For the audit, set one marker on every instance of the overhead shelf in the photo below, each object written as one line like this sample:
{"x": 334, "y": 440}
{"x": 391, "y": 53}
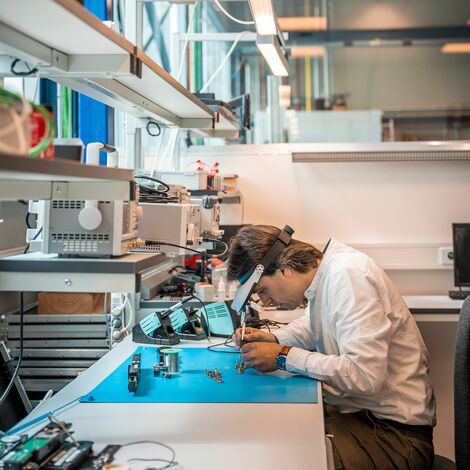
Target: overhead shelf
{"x": 73, "y": 47}
{"x": 33, "y": 178}
{"x": 154, "y": 94}
{"x": 59, "y": 36}
{"x": 41, "y": 272}
{"x": 226, "y": 124}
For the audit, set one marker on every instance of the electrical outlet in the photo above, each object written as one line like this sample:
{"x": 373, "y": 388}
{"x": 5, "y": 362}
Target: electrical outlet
{"x": 446, "y": 255}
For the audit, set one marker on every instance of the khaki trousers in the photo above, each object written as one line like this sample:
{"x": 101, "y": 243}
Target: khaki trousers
{"x": 362, "y": 441}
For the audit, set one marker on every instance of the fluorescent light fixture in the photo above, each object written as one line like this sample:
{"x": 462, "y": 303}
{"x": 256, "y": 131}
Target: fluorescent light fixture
{"x": 307, "y": 51}
{"x": 271, "y": 50}
{"x": 264, "y": 16}
{"x": 456, "y": 48}
{"x": 302, "y": 23}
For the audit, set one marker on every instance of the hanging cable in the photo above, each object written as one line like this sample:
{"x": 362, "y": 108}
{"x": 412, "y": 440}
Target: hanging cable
{"x": 215, "y": 240}
{"x": 219, "y": 68}
{"x": 190, "y": 22}
{"x": 228, "y": 15}
{"x": 161, "y": 183}
{"x": 155, "y": 124}
{"x": 18, "y": 365}
{"x": 17, "y": 73}
{"x": 131, "y": 312}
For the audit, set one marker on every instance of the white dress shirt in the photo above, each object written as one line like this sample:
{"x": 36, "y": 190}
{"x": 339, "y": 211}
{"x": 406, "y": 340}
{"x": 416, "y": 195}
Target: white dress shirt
{"x": 359, "y": 338}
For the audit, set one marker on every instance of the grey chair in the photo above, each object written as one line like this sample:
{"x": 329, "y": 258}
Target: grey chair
{"x": 461, "y": 396}
{"x": 462, "y": 389}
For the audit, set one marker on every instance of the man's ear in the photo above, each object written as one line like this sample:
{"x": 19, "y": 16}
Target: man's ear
{"x": 286, "y": 272}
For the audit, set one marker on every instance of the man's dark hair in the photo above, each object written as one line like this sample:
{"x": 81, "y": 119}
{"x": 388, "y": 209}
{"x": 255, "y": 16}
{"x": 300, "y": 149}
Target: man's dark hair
{"x": 248, "y": 247}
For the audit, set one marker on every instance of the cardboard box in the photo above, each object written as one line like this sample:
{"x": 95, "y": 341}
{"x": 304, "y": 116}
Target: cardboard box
{"x": 59, "y": 303}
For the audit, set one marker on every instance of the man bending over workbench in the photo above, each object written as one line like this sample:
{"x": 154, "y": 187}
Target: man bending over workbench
{"x": 357, "y": 337}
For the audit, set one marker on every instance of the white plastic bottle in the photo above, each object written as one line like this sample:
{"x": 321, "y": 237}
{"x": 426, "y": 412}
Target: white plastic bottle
{"x": 221, "y": 290}
{"x": 232, "y": 289}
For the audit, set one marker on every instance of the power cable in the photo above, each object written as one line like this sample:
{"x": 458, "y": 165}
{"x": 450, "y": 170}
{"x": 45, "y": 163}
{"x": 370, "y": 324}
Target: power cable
{"x": 170, "y": 462}
{"x": 190, "y": 22}
{"x": 161, "y": 183}
{"x": 18, "y": 365}
{"x": 155, "y": 124}
{"x": 224, "y": 60}
{"x": 215, "y": 240}
{"x": 17, "y": 73}
{"x": 228, "y": 15}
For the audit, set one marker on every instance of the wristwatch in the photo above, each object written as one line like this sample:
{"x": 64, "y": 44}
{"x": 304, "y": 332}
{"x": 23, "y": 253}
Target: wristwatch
{"x": 282, "y": 357}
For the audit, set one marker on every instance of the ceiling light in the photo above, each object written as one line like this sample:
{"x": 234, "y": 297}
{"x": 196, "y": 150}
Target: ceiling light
{"x": 456, "y": 48}
{"x": 270, "y": 48}
{"x": 307, "y": 51}
{"x": 303, "y": 23}
{"x": 263, "y": 14}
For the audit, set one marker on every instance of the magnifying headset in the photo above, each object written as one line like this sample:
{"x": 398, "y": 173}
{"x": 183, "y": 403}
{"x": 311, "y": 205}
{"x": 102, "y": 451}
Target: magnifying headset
{"x": 251, "y": 278}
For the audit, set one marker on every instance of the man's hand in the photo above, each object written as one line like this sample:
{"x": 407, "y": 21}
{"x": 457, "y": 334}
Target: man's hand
{"x": 253, "y": 335}
{"x": 261, "y": 356}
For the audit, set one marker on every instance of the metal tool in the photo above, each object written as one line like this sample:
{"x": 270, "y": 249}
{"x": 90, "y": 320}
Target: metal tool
{"x": 133, "y": 373}
{"x": 168, "y": 363}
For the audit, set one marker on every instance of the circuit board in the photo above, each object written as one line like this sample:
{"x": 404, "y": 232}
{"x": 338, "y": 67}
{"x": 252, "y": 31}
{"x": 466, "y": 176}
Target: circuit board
{"x": 34, "y": 449}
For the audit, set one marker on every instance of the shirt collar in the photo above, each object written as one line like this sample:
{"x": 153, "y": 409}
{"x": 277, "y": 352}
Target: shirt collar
{"x": 312, "y": 288}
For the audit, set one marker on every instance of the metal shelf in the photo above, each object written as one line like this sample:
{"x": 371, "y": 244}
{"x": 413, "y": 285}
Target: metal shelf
{"x": 79, "y": 51}
{"x": 226, "y": 124}
{"x": 152, "y": 93}
{"x": 33, "y": 178}
{"x": 55, "y": 274}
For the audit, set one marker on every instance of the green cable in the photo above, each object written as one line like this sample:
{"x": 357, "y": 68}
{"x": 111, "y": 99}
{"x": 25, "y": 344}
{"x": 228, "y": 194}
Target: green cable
{"x": 66, "y": 112}
{"x": 198, "y": 61}
{"x": 197, "y": 51}
{"x": 69, "y": 113}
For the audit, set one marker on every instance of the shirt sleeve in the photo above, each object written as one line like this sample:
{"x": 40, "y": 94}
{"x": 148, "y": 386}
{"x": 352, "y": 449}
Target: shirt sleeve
{"x": 362, "y": 330}
{"x": 297, "y": 333}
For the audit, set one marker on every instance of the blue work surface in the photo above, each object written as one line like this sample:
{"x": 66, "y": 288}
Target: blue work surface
{"x": 192, "y": 385}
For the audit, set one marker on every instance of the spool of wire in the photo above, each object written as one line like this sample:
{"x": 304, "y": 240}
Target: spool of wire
{"x": 171, "y": 360}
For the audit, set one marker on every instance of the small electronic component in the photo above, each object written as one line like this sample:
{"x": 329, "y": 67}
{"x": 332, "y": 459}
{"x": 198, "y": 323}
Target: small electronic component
{"x": 98, "y": 461}
{"x": 7, "y": 443}
{"x": 133, "y": 373}
{"x": 215, "y": 374}
{"x": 240, "y": 367}
{"x": 30, "y": 453}
{"x": 70, "y": 457}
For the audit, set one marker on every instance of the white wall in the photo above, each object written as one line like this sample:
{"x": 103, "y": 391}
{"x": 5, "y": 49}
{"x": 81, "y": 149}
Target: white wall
{"x": 334, "y": 126}
{"x": 382, "y": 14}
{"x": 408, "y": 202}
{"x": 399, "y": 212}
{"x": 399, "y": 77}
{"x": 391, "y": 78}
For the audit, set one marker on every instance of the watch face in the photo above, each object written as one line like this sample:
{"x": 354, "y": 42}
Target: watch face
{"x": 281, "y": 362}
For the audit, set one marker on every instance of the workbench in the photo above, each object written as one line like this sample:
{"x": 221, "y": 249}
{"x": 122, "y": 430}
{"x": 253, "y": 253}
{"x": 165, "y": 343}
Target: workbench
{"x": 203, "y": 435}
